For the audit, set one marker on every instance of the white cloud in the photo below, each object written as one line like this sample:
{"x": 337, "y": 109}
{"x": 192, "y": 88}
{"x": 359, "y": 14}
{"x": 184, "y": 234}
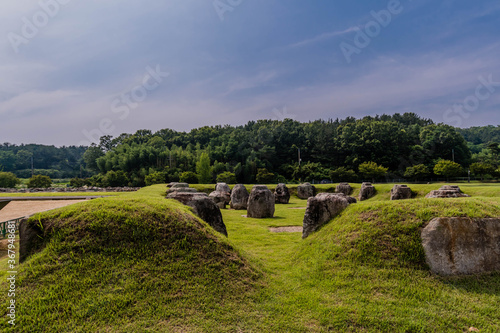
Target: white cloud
{"x": 323, "y": 37}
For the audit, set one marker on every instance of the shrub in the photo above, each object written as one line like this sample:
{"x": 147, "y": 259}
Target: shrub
{"x": 189, "y": 177}
{"x": 343, "y": 175}
{"x": 156, "y": 178}
{"x": 417, "y": 172}
{"x": 226, "y": 177}
{"x": 76, "y": 182}
{"x": 482, "y": 169}
{"x": 115, "y": 179}
{"x": 39, "y": 181}
{"x": 265, "y": 177}
{"x": 8, "y": 179}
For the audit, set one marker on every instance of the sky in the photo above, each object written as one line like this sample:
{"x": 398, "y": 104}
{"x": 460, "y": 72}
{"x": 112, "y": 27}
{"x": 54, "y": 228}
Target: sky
{"x": 73, "y": 70}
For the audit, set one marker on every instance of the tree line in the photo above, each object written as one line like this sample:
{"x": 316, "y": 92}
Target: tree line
{"x": 266, "y": 151}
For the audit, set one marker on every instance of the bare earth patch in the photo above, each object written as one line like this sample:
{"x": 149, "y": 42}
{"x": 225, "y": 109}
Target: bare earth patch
{"x": 17, "y": 209}
{"x": 286, "y": 229}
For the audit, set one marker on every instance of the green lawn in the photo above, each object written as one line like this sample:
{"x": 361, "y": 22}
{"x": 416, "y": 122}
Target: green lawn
{"x": 138, "y": 263}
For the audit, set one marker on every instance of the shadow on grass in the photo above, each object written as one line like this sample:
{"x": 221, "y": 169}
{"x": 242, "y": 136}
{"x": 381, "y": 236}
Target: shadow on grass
{"x": 478, "y": 284}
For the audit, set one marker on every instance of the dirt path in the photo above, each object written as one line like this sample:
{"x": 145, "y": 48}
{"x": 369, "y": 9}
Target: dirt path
{"x": 16, "y": 209}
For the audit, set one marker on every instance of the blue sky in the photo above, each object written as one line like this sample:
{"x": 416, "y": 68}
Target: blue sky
{"x": 73, "y": 70}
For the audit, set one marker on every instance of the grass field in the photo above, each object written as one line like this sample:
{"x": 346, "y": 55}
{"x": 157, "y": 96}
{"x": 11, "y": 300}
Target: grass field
{"x": 60, "y": 194}
{"x": 138, "y": 263}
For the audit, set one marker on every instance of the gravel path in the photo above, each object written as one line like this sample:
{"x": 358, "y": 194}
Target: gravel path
{"x": 16, "y": 209}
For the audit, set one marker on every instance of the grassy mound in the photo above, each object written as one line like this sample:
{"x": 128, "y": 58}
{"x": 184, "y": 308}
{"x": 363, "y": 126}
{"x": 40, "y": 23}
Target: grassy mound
{"x": 367, "y": 269}
{"x": 387, "y": 234}
{"x": 130, "y": 264}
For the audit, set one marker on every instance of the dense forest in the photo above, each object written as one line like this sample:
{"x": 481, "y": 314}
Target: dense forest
{"x": 55, "y": 162}
{"x": 399, "y": 145}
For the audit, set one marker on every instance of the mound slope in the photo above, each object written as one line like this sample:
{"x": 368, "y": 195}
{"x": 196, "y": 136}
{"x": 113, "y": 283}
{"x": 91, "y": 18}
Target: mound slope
{"x": 128, "y": 264}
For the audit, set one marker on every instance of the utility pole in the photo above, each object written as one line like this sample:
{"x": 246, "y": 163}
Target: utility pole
{"x": 299, "y": 156}
{"x": 453, "y": 154}
{"x": 32, "y": 167}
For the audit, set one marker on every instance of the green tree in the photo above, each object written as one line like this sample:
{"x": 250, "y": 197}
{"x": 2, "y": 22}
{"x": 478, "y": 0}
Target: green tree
{"x": 482, "y": 169}
{"x": 189, "y": 177}
{"x": 203, "y": 169}
{"x": 417, "y": 172}
{"x": 265, "y": 177}
{"x": 226, "y": 177}
{"x": 447, "y": 168}
{"x": 372, "y": 170}
{"x": 8, "y": 180}
{"x": 90, "y": 157}
{"x": 39, "y": 181}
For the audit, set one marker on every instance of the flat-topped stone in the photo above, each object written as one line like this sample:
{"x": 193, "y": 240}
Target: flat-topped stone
{"x": 447, "y": 191}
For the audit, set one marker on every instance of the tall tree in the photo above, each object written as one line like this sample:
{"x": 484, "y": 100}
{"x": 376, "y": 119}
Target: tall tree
{"x": 203, "y": 169}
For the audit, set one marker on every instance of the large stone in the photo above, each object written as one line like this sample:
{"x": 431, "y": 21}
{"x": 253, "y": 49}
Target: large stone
{"x": 221, "y": 199}
{"x": 281, "y": 194}
{"x": 461, "y": 245}
{"x": 209, "y": 212}
{"x": 239, "y": 197}
{"x": 179, "y": 185}
{"x": 321, "y": 209}
{"x": 447, "y": 191}
{"x": 185, "y": 197}
{"x": 182, "y": 189}
{"x": 260, "y": 202}
{"x": 400, "y": 192}
{"x": 203, "y": 206}
{"x": 30, "y": 238}
{"x": 343, "y": 188}
{"x": 222, "y": 187}
{"x": 367, "y": 191}
{"x": 305, "y": 191}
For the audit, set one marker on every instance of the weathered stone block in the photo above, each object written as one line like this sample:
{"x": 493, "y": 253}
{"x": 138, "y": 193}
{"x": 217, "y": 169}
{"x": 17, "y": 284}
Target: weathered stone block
{"x": 321, "y": 209}
{"x": 282, "y": 194}
{"x": 260, "y": 202}
{"x": 461, "y": 245}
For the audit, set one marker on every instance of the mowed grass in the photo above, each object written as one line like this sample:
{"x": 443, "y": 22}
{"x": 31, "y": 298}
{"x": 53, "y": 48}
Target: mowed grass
{"x": 365, "y": 271}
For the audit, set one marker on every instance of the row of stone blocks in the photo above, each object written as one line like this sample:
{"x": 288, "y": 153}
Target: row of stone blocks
{"x": 398, "y": 192}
